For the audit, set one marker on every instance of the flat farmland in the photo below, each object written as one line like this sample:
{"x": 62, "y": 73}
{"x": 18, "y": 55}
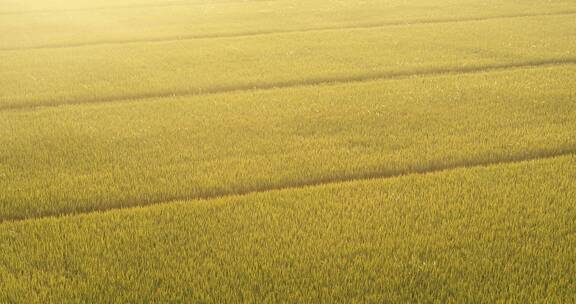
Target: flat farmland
{"x": 287, "y": 151}
{"x": 503, "y": 232}
{"x": 140, "y": 71}
{"x": 61, "y": 23}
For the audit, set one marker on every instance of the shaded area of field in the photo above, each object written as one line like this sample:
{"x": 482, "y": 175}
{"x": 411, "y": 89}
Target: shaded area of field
{"x": 111, "y": 156}
{"x": 504, "y": 233}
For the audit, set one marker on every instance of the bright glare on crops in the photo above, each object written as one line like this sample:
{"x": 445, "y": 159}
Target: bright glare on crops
{"x": 224, "y": 151}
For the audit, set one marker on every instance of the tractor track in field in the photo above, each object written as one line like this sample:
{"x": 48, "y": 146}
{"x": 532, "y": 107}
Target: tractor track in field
{"x": 278, "y": 32}
{"x": 432, "y": 169}
{"x": 335, "y": 80}
{"x": 123, "y": 7}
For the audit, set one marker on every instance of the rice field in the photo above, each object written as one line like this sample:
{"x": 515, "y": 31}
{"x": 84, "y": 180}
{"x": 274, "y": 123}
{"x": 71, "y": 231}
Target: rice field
{"x": 225, "y": 151}
{"x": 473, "y": 234}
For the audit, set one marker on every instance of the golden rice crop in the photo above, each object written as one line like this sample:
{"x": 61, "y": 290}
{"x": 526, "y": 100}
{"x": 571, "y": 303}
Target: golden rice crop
{"x": 497, "y": 234}
{"x": 338, "y": 151}
{"x": 145, "y": 70}
{"x": 56, "y": 23}
{"x": 83, "y": 158}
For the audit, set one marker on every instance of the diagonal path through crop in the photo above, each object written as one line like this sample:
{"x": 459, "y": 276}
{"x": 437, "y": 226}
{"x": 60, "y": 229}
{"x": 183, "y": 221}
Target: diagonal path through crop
{"x": 433, "y": 169}
{"x": 307, "y": 82}
{"x": 288, "y": 31}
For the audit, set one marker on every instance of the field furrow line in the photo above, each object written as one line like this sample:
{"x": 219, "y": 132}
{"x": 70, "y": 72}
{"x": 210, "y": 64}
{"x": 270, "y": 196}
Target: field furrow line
{"x": 331, "y": 80}
{"x": 432, "y": 169}
{"x": 288, "y": 31}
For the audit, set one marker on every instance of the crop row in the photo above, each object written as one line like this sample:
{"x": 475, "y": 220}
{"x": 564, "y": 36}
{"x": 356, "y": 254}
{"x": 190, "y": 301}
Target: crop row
{"x": 75, "y": 159}
{"x": 33, "y": 24}
{"x": 503, "y": 233}
{"x": 51, "y": 77}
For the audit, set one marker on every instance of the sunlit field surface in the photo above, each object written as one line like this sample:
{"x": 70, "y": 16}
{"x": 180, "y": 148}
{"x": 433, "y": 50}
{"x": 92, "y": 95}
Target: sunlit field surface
{"x": 257, "y": 151}
{"x": 504, "y": 232}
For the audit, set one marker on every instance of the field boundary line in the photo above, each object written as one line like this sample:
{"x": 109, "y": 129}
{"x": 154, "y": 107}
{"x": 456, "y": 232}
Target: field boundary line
{"x": 368, "y": 176}
{"x": 335, "y": 80}
{"x": 279, "y": 32}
